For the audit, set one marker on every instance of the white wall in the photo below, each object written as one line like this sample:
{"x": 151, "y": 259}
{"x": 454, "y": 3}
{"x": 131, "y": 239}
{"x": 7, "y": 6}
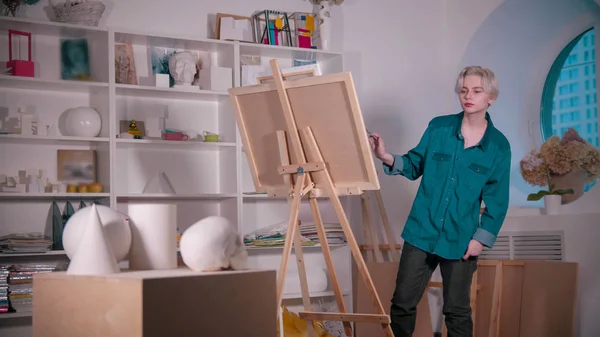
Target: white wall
{"x": 404, "y": 56}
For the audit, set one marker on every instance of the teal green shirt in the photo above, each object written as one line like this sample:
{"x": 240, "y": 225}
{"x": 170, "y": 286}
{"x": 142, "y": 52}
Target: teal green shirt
{"x": 445, "y": 213}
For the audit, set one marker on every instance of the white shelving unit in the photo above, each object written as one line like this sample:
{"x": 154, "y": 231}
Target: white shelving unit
{"x": 209, "y": 178}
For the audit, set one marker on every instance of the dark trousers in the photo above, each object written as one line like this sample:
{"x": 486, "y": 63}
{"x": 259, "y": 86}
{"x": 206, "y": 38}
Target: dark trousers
{"x": 414, "y": 272}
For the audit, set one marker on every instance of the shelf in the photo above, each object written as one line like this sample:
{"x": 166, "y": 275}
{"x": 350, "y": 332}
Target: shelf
{"x": 10, "y": 315}
{"x": 36, "y": 83}
{"x": 51, "y": 196}
{"x": 169, "y": 93}
{"x": 39, "y": 27}
{"x": 168, "y": 197}
{"x": 252, "y": 195}
{"x": 155, "y": 39}
{"x": 327, "y": 293}
{"x": 265, "y": 50}
{"x": 59, "y": 140}
{"x": 48, "y": 253}
{"x": 272, "y": 248}
{"x": 159, "y": 143}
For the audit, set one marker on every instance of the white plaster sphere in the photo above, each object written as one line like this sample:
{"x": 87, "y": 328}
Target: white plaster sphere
{"x": 116, "y": 228}
{"x": 83, "y": 121}
{"x": 212, "y": 244}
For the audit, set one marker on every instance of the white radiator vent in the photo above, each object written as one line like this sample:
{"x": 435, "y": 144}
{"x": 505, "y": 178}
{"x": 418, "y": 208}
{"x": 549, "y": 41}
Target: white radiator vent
{"x": 500, "y": 251}
{"x": 546, "y": 245}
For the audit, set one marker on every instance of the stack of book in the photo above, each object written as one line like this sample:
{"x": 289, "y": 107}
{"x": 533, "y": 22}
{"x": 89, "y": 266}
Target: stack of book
{"x": 4, "y": 289}
{"x": 20, "y": 283}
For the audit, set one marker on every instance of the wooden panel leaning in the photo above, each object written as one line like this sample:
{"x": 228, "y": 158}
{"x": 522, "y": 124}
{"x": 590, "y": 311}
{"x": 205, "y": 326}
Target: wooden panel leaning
{"x": 306, "y": 138}
{"x": 155, "y": 303}
{"x": 527, "y": 298}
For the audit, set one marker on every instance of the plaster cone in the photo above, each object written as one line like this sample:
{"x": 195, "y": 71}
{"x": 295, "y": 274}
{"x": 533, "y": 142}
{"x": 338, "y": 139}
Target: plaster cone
{"x": 94, "y": 256}
{"x": 159, "y": 183}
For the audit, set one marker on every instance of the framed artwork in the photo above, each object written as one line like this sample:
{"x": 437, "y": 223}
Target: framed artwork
{"x": 75, "y": 59}
{"x": 76, "y": 166}
{"x": 125, "y": 72}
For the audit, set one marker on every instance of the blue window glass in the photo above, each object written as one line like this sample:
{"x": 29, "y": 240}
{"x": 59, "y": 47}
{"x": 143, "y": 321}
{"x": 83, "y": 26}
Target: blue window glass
{"x": 571, "y": 83}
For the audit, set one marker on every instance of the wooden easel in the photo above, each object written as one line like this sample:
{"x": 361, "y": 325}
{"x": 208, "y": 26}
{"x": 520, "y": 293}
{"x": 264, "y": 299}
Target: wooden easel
{"x": 305, "y": 172}
{"x": 372, "y": 246}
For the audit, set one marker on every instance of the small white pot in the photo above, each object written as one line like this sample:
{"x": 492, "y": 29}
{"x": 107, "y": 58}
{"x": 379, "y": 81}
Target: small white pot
{"x": 552, "y": 203}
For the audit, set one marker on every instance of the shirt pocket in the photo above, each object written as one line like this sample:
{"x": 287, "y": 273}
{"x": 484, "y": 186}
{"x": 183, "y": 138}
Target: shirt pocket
{"x": 442, "y": 162}
{"x": 476, "y": 177}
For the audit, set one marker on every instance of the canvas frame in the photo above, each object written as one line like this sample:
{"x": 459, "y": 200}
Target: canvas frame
{"x": 328, "y": 104}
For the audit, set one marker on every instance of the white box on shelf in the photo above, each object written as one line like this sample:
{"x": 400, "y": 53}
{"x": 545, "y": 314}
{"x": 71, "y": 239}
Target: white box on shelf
{"x": 236, "y": 29}
{"x": 33, "y": 188}
{"x": 215, "y": 78}
{"x": 161, "y": 80}
{"x": 154, "y": 127}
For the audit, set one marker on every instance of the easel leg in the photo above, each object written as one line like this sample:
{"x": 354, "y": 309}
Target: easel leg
{"x": 386, "y": 226}
{"x": 368, "y": 228}
{"x": 367, "y": 231}
{"x": 285, "y": 160}
{"x": 328, "y": 186}
{"x": 292, "y": 228}
{"x": 303, "y": 281}
{"x": 339, "y": 297}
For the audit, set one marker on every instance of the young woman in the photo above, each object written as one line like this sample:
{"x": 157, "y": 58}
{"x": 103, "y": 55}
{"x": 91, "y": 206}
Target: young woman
{"x": 461, "y": 159}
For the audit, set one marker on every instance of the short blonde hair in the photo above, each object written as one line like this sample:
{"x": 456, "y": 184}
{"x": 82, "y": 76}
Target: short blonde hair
{"x": 490, "y": 83}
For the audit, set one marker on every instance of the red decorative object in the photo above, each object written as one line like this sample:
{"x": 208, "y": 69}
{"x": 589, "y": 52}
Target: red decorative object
{"x": 304, "y": 40}
{"x": 20, "y": 67}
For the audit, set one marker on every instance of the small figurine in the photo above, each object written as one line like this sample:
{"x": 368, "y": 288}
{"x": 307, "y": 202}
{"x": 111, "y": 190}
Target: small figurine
{"x": 133, "y": 130}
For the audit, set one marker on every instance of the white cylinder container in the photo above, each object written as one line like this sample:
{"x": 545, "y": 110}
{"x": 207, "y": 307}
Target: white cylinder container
{"x": 153, "y": 236}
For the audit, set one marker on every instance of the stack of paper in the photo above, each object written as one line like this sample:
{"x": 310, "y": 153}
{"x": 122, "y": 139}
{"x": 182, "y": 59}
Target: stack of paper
{"x": 273, "y": 235}
{"x": 20, "y": 243}
{"x": 333, "y": 232}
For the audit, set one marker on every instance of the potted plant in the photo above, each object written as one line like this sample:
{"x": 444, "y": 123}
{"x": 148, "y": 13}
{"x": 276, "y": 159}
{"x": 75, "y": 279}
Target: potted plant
{"x": 11, "y": 7}
{"x": 564, "y": 165}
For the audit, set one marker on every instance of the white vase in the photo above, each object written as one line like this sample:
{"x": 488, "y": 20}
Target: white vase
{"x": 324, "y": 20}
{"x": 552, "y": 204}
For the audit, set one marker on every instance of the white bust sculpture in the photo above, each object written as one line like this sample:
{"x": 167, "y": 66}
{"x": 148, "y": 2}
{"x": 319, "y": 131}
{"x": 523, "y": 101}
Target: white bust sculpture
{"x": 182, "y": 67}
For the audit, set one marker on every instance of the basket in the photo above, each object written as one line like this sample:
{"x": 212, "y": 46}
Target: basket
{"x": 81, "y": 12}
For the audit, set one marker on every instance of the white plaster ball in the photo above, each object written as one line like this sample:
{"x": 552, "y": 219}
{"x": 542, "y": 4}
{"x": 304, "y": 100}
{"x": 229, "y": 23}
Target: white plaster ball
{"x": 118, "y": 232}
{"x": 212, "y": 244}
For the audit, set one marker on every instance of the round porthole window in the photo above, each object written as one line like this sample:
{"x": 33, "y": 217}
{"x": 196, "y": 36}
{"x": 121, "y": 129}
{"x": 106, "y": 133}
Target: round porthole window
{"x": 569, "y": 108}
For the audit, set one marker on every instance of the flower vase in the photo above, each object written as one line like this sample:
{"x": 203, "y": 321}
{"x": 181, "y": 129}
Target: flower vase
{"x": 573, "y": 180}
{"x": 324, "y": 20}
{"x": 552, "y": 204}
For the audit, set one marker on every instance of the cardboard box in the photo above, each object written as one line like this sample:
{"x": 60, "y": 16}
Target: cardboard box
{"x": 156, "y": 303}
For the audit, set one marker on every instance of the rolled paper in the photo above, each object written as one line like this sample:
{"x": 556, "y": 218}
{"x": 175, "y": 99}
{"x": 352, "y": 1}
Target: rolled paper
{"x": 153, "y": 236}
